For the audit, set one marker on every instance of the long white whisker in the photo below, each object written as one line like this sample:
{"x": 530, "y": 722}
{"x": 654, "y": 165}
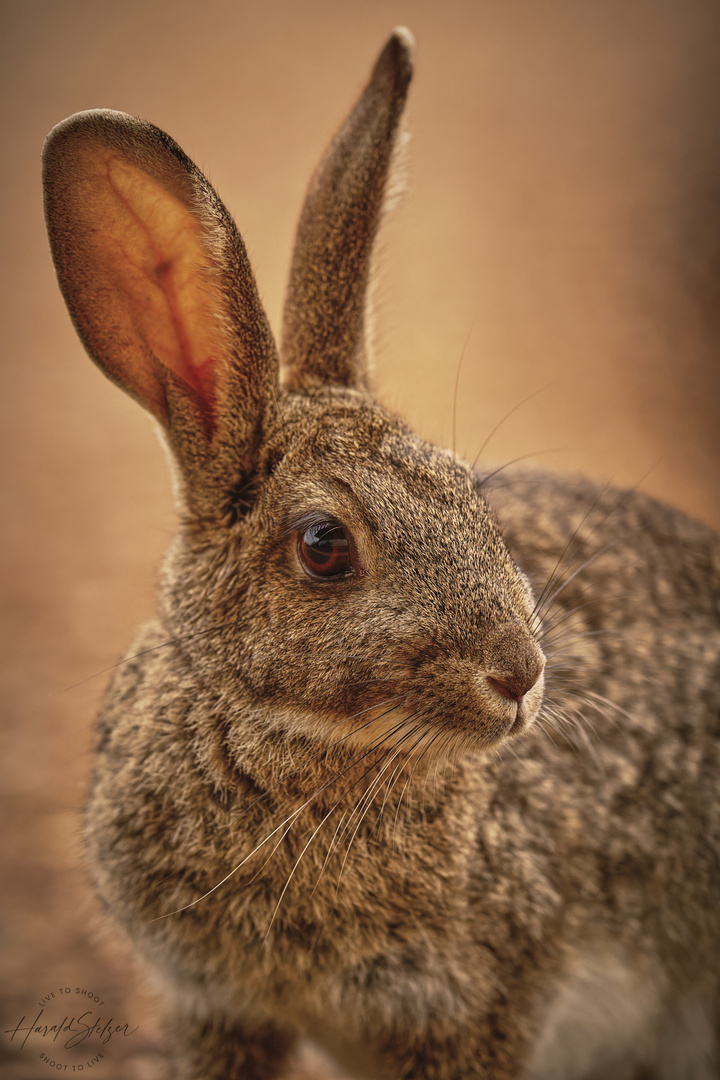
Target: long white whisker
{"x": 289, "y": 821}
{"x": 505, "y": 418}
{"x": 396, "y": 753}
{"x": 540, "y": 602}
{"x": 549, "y": 626}
{"x": 219, "y": 884}
{"x": 286, "y": 886}
{"x": 369, "y": 795}
{"x": 332, "y": 809}
{"x": 332, "y": 745}
{"x": 548, "y": 601}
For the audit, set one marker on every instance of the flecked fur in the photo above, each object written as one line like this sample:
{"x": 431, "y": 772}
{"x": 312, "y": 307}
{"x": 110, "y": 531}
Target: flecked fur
{"x": 453, "y": 815}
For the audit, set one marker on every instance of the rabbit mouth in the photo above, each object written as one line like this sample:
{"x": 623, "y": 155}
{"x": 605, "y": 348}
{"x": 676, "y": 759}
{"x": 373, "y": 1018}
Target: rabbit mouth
{"x": 527, "y": 711}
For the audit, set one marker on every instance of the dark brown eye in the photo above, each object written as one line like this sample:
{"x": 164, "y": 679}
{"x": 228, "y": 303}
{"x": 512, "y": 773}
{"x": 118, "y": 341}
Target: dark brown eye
{"x": 324, "y": 550}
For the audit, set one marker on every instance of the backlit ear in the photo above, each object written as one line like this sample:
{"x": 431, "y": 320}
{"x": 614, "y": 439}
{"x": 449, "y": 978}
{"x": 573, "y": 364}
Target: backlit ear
{"x": 324, "y": 331}
{"x": 158, "y": 284}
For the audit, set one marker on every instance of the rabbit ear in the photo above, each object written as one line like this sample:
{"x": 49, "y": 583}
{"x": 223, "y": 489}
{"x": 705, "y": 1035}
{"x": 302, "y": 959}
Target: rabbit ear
{"x": 324, "y": 320}
{"x": 158, "y": 283}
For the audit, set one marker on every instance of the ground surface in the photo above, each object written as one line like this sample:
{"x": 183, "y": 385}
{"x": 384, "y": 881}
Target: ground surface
{"x": 561, "y": 232}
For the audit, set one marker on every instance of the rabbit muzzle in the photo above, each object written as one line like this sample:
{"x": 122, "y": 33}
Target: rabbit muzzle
{"x": 514, "y": 665}
{"x": 447, "y": 701}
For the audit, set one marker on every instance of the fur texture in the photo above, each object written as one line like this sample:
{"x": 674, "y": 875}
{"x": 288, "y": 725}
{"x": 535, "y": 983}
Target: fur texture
{"x": 448, "y": 810}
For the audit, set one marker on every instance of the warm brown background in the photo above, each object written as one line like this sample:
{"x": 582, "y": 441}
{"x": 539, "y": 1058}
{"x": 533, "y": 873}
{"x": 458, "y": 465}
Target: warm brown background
{"x": 562, "y": 227}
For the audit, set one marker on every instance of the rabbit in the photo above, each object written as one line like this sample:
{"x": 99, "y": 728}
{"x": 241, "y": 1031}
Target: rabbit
{"x": 413, "y": 766}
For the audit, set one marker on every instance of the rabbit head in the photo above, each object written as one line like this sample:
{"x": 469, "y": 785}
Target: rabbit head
{"x": 331, "y": 569}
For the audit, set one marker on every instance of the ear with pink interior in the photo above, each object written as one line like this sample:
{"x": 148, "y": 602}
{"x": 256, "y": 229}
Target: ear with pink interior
{"x": 158, "y": 284}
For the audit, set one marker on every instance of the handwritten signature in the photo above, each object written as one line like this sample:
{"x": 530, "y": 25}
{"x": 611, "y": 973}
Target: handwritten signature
{"x": 77, "y": 1028}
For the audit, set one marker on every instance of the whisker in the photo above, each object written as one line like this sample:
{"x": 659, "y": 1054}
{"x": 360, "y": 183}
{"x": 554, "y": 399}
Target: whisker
{"x": 506, "y": 417}
{"x": 320, "y": 657}
{"x": 288, "y": 821}
{"x": 568, "y": 636}
{"x": 484, "y": 480}
{"x": 147, "y": 652}
{"x": 619, "y": 501}
{"x": 309, "y": 761}
{"x": 548, "y": 628}
{"x": 543, "y": 604}
{"x": 328, "y": 853}
{"x": 219, "y": 884}
{"x": 573, "y": 537}
{"x": 333, "y": 808}
{"x": 286, "y": 886}
{"x": 400, "y": 756}
{"x": 412, "y": 771}
{"x": 396, "y": 751}
{"x": 574, "y": 732}
{"x": 457, "y": 384}
{"x": 604, "y": 705}
{"x": 368, "y": 799}
{"x": 331, "y": 746}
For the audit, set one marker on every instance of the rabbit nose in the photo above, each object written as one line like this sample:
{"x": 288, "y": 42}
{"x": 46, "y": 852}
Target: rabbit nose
{"x": 517, "y": 666}
{"x": 512, "y": 687}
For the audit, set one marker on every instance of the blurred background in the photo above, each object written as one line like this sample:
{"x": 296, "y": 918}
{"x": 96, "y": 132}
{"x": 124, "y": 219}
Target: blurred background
{"x": 560, "y": 233}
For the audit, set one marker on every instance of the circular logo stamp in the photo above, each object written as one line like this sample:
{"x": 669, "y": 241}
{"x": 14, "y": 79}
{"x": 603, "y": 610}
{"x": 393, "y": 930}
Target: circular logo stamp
{"x": 69, "y": 1029}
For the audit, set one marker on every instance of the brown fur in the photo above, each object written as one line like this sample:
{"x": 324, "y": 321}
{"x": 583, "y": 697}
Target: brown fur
{"x": 411, "y": 814}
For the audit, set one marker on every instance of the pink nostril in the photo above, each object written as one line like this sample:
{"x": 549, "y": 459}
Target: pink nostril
{"x": 505, "y": 690}
{"x": 512, "y": 687}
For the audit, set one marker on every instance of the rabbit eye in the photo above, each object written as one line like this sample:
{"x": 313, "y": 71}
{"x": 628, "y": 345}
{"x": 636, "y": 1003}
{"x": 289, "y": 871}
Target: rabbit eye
{"x": 324, "y": 550}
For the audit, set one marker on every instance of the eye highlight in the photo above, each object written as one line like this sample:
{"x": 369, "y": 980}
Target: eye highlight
{"x": 324, "y": 550}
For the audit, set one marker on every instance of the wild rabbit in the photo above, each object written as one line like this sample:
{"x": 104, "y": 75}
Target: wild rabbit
{"x": 433, "y": 789}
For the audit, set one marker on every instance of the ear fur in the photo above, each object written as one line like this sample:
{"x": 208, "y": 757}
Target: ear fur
{"x": 157, "y": 281}
{"x": 324, "y": 333}
{"x": 158, "y": 284}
